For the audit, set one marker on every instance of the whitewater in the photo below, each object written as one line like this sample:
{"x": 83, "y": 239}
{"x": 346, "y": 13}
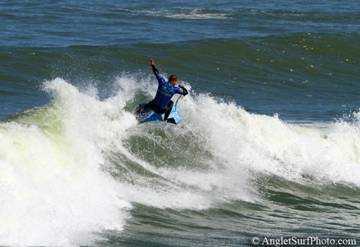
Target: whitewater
{"x": 76, "y": 167}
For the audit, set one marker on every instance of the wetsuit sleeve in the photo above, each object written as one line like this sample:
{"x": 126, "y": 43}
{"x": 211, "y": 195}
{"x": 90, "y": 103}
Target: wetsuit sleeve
{"x": 181, "y": 90}
{"x": 156, "y": 72}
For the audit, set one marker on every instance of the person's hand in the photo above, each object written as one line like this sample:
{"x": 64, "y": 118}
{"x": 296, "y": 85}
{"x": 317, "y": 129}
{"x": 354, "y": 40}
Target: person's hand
{"x": 185, "y": 91}
{"x": 152, "y": 62}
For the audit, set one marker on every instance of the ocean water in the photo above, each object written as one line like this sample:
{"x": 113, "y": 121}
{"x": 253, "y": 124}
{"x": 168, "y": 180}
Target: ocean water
{"x": 269, "y": 145}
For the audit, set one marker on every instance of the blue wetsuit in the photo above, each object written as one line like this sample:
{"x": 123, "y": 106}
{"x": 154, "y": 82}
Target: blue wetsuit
{"x": 162, "y": 101}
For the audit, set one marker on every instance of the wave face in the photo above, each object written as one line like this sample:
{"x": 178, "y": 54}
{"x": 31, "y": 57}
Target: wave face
{"x": 81, "y": 165}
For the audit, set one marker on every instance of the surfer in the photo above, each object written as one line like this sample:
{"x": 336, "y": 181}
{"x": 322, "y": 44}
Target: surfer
{"x": 162, "y": 102}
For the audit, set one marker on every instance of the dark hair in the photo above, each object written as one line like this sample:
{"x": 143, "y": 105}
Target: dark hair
{"x": 172, "y": 77}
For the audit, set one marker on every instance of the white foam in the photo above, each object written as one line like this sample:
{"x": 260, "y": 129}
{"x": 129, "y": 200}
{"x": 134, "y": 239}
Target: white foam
{"x": 266, "y": 144}
{"x": 190, "y": 14}
{"x": 52, "y": 188}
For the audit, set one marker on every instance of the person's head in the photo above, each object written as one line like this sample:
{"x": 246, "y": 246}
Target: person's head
{"x": 173, "y": 79}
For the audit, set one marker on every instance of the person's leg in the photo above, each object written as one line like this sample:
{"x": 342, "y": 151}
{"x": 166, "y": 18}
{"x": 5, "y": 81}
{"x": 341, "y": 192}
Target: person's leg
{"x": 168, "y": 109}
{"x": 143, "y": 108}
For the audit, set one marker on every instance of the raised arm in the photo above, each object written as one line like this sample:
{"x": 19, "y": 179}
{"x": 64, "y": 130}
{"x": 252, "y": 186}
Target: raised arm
{"x": 156, "y": 72}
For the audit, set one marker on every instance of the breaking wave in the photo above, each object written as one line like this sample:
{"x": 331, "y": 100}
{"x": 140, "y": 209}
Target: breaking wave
{"x": 76, "y": 166}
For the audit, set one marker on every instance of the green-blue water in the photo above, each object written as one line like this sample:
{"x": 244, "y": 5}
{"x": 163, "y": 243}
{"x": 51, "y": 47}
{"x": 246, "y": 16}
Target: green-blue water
{"x": 269, "y": 144}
